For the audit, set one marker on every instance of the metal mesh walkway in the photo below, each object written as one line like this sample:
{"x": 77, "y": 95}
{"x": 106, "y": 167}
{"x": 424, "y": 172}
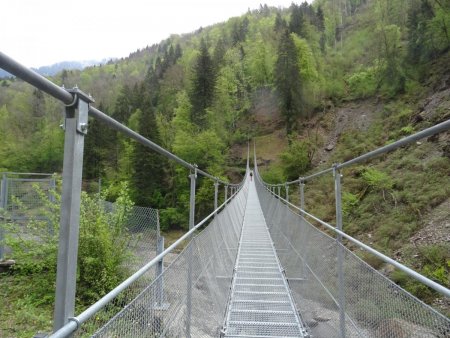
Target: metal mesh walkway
{"x": 261, "y": 304}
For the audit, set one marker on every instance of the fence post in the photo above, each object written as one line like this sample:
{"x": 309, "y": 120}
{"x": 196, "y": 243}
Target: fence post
{"x": 4, "y": 206}
{"x": 216, "y": 193}
{"x": 226, "y": 192}
{"x": 286, "y": 187}
{"x": 52, "y": 189}
{"x": 302, "y": 194}
{"x": 279, "y": 191}
{"x": 340, "y": 249}
{"x": 159, "y": 266}
{"x": 193, "y": 177}
{"x": 75, "y": 128}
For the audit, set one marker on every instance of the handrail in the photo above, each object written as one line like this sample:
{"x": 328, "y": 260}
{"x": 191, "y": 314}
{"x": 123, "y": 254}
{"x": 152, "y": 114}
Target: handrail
{"x": 35, "y": 79}
{"x": 24, "y": 174}
{"x": 436, "y": 286}
{"x": 75, "y": 322}
{"x": 436, "y": 129}
{"x": 40, "y": 82}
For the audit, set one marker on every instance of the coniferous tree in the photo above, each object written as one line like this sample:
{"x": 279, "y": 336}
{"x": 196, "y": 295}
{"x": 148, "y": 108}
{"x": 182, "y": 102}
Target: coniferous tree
{"x": 147, "y": 180}
{"x": 320, "y": 19}
{"x": 287, "y": 80}
{"x": 419, "y": 46}
{"x": 297, "y": 22}
{"x": 178, "y": 52}
{"x": 97, "y": 148}
{"x": 240, "y": 30}
{"x": 203, "y": 84}
{"x": 280, "y": 23}
{"x": 124, "y": 104}
{"x": 219, "y": 53}
{"x": 38, "y": 103}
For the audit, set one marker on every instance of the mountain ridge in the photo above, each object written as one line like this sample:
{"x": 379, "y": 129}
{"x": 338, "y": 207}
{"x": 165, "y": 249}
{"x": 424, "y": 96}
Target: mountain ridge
{"x": 55, "y": 68}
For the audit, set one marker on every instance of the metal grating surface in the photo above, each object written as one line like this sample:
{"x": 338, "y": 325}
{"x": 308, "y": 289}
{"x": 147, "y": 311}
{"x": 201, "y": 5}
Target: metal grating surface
{"x": 261, "y": 304}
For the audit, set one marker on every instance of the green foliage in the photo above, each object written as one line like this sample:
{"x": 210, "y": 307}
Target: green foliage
{"x": 407, "y": 130}
{"x": 349, "y": 202}
{"x": 147, "y": 179}
{"x": 203, "y": 82}
{"x": 274, "y": 174}
{"x": 295, "y": 160}
{"x": 364, "y": 83}
{"x": 204, "y": 149}
{"x": 259, "y": 62}
{"x": 377, "y": 180}
{"x": 288, "y": 81}
{"x": 171, "y": 218}
{"x": 103, "y": 247}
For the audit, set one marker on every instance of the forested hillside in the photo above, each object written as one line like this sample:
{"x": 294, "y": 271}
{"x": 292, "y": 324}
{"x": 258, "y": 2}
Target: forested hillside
{"x": 297, "y": 81}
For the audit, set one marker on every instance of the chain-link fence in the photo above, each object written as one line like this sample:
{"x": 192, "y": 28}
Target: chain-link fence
{"x": 324, "y": 277}
{"x": 189, "y": 298}
{"x": 24, "y": 196}
{"x": 143, "y": 226}
{"x": 20, "y": 194}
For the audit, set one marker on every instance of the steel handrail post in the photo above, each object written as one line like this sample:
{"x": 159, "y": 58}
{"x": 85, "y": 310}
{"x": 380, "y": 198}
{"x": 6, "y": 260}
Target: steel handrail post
{"x": 193, "y": 177}
{"x": 4, "y": 206}
{"x": 75, "y": 129}
{"x": 302, "y": 193}
{"x": 226, "y": 192}
{"x": 301, "y": 190}
{"x": 160, "y": 265}
{"x": 286, "y": 187}
{"x": 216, "y": 193}
{"x": 340, "y": 249}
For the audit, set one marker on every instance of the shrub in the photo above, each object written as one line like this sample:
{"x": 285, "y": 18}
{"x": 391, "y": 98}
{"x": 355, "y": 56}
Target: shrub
{"x": 296, "y": 159}
{"x": 103, "y": 243}
{"x": 349, "y": 201}
{"x": 364, "y": 83}
{"x": 171, "y": 217}
{"x": 377, "y": 180}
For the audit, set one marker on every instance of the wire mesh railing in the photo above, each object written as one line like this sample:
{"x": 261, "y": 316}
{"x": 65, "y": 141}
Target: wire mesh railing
{"x": 20, "y": 194}
{"x": 24, "y": 197}
{"x": 143, "y": 227}
{"x": 336, "y": 292}
{"x": 189, "y": 298}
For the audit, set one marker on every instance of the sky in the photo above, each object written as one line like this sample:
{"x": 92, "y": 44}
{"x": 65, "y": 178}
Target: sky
{"x": 38, "y": 33}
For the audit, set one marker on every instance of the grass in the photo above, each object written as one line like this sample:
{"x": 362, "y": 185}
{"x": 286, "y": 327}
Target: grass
{"x": 170, "y": 236}
{"x": 22, "y": 314}
{"x": 270, "y": 145}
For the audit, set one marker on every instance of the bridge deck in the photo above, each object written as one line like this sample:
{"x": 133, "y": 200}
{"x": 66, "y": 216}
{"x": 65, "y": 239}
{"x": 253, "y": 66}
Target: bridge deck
{"x": 261, "y": 304}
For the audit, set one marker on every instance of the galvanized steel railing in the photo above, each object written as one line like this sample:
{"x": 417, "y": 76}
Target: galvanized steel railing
{"x": 329, "y": 279}
{"x": 78, "y": 109}
{"x": 187, "y": 299}
{"x": 350, "y": 297}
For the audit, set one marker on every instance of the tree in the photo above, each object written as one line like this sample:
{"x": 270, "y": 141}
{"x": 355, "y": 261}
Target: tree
{"x": 297, "y": 22}
{"x": 288, "y": 82}
{"x": 280, "y": 23}
{"x": 240, "y": 30}
{"x": 97, "y": 148}
{"x": 148, "y": 174}
{"x": 219, "y": 53}
{"x": 203, "y": 83}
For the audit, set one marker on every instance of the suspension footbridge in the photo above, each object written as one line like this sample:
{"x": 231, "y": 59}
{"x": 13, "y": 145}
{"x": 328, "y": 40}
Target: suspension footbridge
{"x": 257, "y": 266}
{"x": 260, "y": 303}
